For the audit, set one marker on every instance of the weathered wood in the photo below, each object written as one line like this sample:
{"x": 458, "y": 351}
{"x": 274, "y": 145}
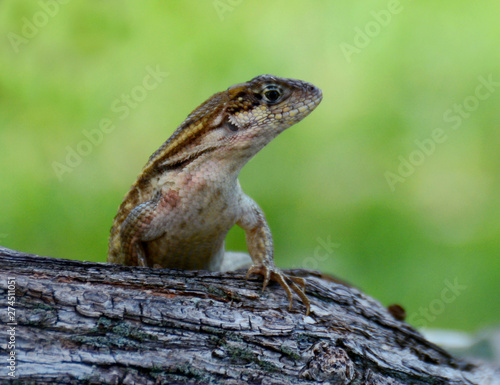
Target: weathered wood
{"x": 81, "y": 322}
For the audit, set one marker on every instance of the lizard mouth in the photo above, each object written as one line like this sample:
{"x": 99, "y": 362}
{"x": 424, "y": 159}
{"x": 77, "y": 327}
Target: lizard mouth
{"x": 306, "y": 102}
{"x": 316, "y": 95}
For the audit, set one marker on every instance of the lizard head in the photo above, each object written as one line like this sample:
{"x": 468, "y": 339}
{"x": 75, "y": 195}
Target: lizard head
{"x": 260, "y": 109}
{"x": 235, "y": 124}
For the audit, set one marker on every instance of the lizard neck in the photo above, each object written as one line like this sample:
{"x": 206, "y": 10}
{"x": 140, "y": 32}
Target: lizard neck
{"x": 216, "y": 168}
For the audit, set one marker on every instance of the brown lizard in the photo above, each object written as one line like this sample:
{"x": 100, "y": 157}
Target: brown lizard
{"x": 187, "y": 197}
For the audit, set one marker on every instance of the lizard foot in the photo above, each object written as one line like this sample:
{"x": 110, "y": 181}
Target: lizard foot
{"x": 272, "y": 272}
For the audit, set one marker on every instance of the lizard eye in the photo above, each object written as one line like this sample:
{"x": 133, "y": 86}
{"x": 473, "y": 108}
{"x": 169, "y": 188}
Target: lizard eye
{"x": 272, "y": 94}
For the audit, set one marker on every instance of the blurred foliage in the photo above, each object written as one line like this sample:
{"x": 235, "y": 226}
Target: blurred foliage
{"x": 390, "y": 72}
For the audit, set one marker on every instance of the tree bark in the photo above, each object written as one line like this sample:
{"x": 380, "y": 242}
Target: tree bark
{"x": 91, "y": 323}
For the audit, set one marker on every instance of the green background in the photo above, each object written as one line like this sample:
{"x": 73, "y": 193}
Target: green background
{"x": 323, "y": 182}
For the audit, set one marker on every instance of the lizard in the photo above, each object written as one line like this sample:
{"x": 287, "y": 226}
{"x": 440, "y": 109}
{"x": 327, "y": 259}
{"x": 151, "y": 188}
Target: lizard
{"x": 187, "y": 197}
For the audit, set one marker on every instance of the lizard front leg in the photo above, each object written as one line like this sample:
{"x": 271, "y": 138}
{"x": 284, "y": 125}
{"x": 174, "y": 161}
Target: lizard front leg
{"x": 260, "y": 246}
{"x": 144, "y": 223}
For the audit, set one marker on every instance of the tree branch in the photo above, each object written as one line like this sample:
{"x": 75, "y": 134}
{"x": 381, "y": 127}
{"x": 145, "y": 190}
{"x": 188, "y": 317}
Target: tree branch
{"x": 81, "y": 322}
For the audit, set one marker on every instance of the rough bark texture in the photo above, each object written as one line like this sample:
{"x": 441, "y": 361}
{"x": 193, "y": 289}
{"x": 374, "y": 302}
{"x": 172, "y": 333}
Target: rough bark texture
{"x": 80, "y": 322}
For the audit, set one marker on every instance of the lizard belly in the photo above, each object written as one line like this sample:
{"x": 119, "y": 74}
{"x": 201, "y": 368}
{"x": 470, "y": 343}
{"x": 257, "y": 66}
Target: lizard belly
{"x": 197, "y": 252}
{"x": 194, "y": 230}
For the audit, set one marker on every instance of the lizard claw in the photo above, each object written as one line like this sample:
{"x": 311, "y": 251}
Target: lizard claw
{"x": 277, "y": 275}
{"x": 254, "y": 269}
{"x": 299, "y": 280}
